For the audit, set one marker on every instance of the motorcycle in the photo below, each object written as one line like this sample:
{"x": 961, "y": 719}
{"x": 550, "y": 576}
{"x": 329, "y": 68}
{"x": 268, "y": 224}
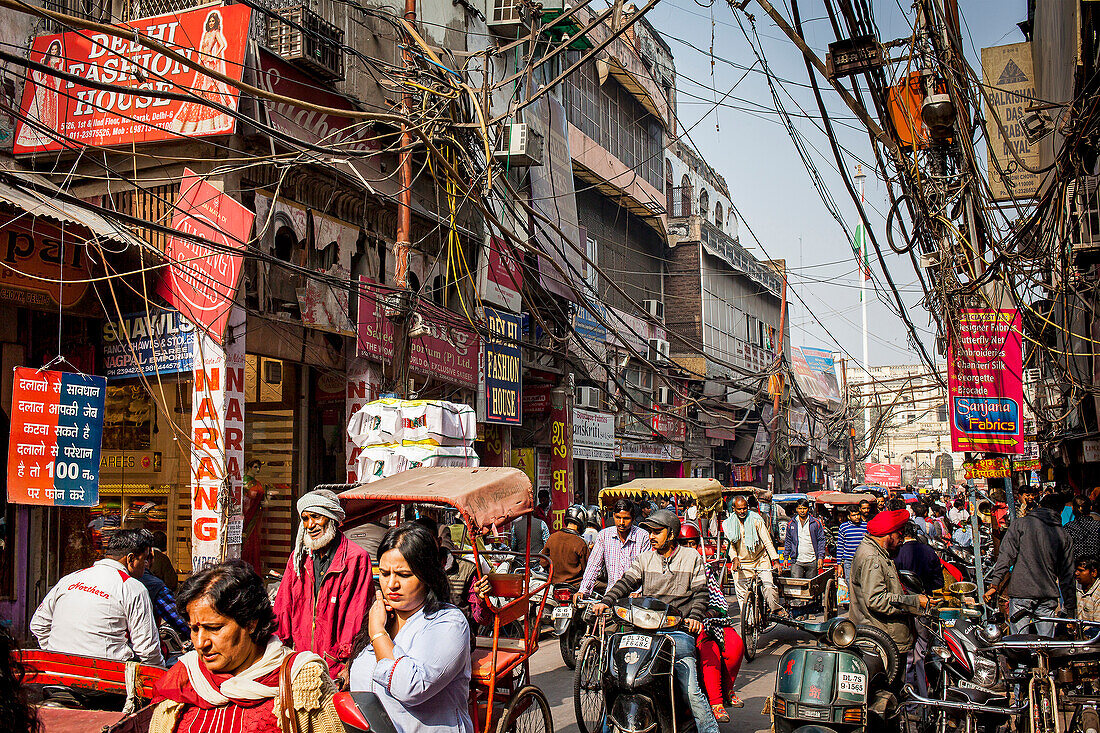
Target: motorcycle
{"x": 362, "y": 712}
{"x": 637, "y": 678}
{"x": 849, "y": 682}
{"x": 568, "y": 621}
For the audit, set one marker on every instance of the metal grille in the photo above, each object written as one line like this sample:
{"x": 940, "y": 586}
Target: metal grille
{"x": 1084, "y": 219}
{"x": 134, "y": 9}
{"x": 153, "y": 204}
{"x": 97, "y": 10}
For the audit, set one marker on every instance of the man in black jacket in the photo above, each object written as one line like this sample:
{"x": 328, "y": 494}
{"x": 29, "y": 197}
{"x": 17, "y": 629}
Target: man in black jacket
{"x": 1040, "y": 556}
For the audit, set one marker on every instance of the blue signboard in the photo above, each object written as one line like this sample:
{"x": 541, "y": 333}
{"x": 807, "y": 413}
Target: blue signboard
{"x": 157, "y": 342}
{"x": 503, "y": 368}
{"x": 587, "y": 326}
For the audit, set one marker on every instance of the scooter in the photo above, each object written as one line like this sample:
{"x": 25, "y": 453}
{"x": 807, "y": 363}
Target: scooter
{"x": 848, "y": 683}
{"x": 572, "y": 622}
{"x": 637, "y": 680}
{"x": 362, "y": 712}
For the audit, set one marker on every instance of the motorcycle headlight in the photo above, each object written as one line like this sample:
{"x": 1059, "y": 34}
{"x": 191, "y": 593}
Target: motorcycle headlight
{"x": 643, "y": 618}
{"x": 842, "y": 633}
{"x": 985, "y": 671}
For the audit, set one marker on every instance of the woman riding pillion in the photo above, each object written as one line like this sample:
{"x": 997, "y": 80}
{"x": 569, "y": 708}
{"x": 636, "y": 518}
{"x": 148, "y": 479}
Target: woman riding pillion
{"x": 721, "y": 648}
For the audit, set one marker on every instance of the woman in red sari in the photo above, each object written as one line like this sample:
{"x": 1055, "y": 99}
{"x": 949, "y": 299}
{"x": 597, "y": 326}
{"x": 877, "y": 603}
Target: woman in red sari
{"x": 230, "y": 682}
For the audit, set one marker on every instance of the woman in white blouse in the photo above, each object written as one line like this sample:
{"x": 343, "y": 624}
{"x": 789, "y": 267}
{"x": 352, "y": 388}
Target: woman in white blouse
{"x": 414, "y": 650}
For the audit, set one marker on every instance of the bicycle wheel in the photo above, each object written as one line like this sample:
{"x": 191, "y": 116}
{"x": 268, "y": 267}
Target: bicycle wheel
{"x": 587, "y": 693}
{"x": 528, "y": 712}
{"x": 750, "y": 623}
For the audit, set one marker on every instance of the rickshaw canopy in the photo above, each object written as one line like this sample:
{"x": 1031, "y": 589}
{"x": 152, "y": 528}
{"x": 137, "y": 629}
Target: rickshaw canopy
{"x": 488, "y": 498}
{"x": 706, "y": 492}
{"x": 839, "y": 498}
{"x": 789, "y": 498}
{"x": 871, "y": 488}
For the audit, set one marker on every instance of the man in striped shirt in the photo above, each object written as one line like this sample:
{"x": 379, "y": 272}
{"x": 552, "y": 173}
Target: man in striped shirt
{"x": 849, "y": 537}
{"x": 615, "y": 548}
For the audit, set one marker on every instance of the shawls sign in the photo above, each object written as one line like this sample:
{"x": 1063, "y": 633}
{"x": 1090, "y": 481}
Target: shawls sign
{"x": 201, "y": 281}
{"x": 56, "y": 435}
{"x": 59, "y": 112}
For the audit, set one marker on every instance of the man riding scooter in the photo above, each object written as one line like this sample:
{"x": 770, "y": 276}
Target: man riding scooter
{"x": 674, "y": 575}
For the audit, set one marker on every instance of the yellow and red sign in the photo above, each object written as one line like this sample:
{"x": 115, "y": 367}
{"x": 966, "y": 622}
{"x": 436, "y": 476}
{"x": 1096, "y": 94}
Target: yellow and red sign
{"x": 88, "y": 88}
{"x": 987, "y": 468}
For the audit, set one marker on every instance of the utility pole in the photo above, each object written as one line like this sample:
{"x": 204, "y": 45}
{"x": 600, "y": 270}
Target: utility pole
{"x": 779, "y": 383}
{"x": 861, "y": 181}
{"x": 849, "y": 464}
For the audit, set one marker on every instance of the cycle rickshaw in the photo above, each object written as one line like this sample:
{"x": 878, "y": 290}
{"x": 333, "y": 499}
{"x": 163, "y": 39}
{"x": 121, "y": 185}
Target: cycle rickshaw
{"x": 502, "y": 697}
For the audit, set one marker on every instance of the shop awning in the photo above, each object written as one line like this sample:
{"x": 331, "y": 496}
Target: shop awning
{"x": 31, "y": 192}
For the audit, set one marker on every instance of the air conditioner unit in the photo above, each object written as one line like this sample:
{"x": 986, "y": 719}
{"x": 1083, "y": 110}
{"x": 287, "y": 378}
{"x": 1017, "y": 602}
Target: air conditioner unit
{"x": 307, "y": 40}
{"x": 658, "y": 350}
{"x": 665, "y": 396}
{"x": 519, "y": 146}
{"x": 587, "y": 397}
{"x": 655, "y": 308}
{"x": 505, "y": 17}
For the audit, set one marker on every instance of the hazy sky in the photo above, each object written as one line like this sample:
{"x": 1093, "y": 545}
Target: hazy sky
{"x": 744, "y": 140}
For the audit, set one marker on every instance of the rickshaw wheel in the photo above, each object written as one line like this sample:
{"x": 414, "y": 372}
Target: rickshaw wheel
{"x": 528, "y": 712}
{"x": 587, "y": 693}
{"x": 830, "y": 603}
{"x": 750, "y": 624}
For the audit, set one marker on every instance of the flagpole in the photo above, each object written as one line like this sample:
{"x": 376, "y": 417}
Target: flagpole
{"x": 861, "y": 179}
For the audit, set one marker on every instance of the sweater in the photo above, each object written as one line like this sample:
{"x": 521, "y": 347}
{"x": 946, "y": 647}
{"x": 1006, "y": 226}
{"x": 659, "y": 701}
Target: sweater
{"x": 1039, "y": 555}
{"x": 679, "y": 580}
{"x": 848, "y": 539}
{"x": 569, "y": 553}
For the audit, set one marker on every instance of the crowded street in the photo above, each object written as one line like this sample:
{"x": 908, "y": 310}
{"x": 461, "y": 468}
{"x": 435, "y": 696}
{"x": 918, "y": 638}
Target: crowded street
{"x": 532, "y": 366}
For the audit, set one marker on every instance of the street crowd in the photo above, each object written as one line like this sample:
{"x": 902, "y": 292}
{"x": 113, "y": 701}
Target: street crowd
{"x": 408, "y": 637}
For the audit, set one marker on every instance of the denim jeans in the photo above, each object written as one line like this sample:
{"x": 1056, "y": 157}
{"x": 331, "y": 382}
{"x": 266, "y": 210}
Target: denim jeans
{"x": 1037, "y": 606}
{"x": 687, "y": 679}
{"x": 804, "y": 569}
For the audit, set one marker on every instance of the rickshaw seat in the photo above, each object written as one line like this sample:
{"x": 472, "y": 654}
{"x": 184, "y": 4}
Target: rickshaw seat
{"x": 506, "y": 585}
{"x": 483, "y": 666}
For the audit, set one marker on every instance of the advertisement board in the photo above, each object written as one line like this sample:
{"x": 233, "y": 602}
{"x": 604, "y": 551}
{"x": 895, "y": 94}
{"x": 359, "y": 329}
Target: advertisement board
{"x": 449, "y": 351}
{"x": 501, "y": 275}
{"x": 635, "y": 450}
{"x": 1010, "y": 80}
{"x": 593, "y": 436}
{"x": 987, "y": 468}
{"x": 111, "y": 109}
{"x": 985, "y": 380}
{"x": 149, "y": 343}
{"x": 503, "y": 369}
{"x": 882, "y": 474}
{"x": 201, "y": 281}
{"x": 35, "y": 256}
{"x": 56, "y": 436}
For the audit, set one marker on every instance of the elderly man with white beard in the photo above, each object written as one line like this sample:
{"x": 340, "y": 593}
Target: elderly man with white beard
{"x": 327, "y": 586}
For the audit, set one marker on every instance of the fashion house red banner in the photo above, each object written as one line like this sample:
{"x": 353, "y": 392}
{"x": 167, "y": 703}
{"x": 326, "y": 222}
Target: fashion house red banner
{"x": 115, "y": 106}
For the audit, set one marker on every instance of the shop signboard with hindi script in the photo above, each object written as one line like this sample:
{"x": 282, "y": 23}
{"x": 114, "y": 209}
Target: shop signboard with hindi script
{"x": 114, "y": 107}
{"x": 56, "y": 436}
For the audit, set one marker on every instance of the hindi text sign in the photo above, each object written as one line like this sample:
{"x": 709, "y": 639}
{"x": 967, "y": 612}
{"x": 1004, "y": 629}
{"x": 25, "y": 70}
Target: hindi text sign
{"x": 56, "y": 436}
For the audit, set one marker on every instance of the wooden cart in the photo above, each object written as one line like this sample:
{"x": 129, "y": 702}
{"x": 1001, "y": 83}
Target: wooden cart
{"x": 801, "y": 595}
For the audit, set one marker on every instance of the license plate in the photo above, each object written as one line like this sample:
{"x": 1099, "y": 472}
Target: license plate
{"x": 853, "y": 682}
{"x": 563, "y": 612}
{"x": 636, "y": 641}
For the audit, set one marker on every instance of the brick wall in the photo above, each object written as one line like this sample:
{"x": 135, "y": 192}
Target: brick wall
{"x": 683, "y": 298}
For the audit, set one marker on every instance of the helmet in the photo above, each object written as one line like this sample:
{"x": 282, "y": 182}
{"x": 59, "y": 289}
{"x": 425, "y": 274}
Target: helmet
{"x": 576, "y": 513}
{"x": 594, "y": 516}
{"x": 689, "y": 531}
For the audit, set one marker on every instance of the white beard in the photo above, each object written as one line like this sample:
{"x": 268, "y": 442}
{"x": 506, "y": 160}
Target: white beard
{"x": 313, "y": 545}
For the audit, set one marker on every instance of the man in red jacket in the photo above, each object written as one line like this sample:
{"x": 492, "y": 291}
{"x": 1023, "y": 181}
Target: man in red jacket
{"x": 327, "y": 586}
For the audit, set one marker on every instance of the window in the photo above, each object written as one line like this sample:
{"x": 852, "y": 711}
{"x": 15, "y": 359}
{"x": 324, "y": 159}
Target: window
{"x": 685, "y": 196}
{"x": 611, "y": 116}
{"x": 670, "y": 192}
{"x": 718, "y": 214}
{"x": 941, "y": 413}
{"x": 704, "y": 204}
